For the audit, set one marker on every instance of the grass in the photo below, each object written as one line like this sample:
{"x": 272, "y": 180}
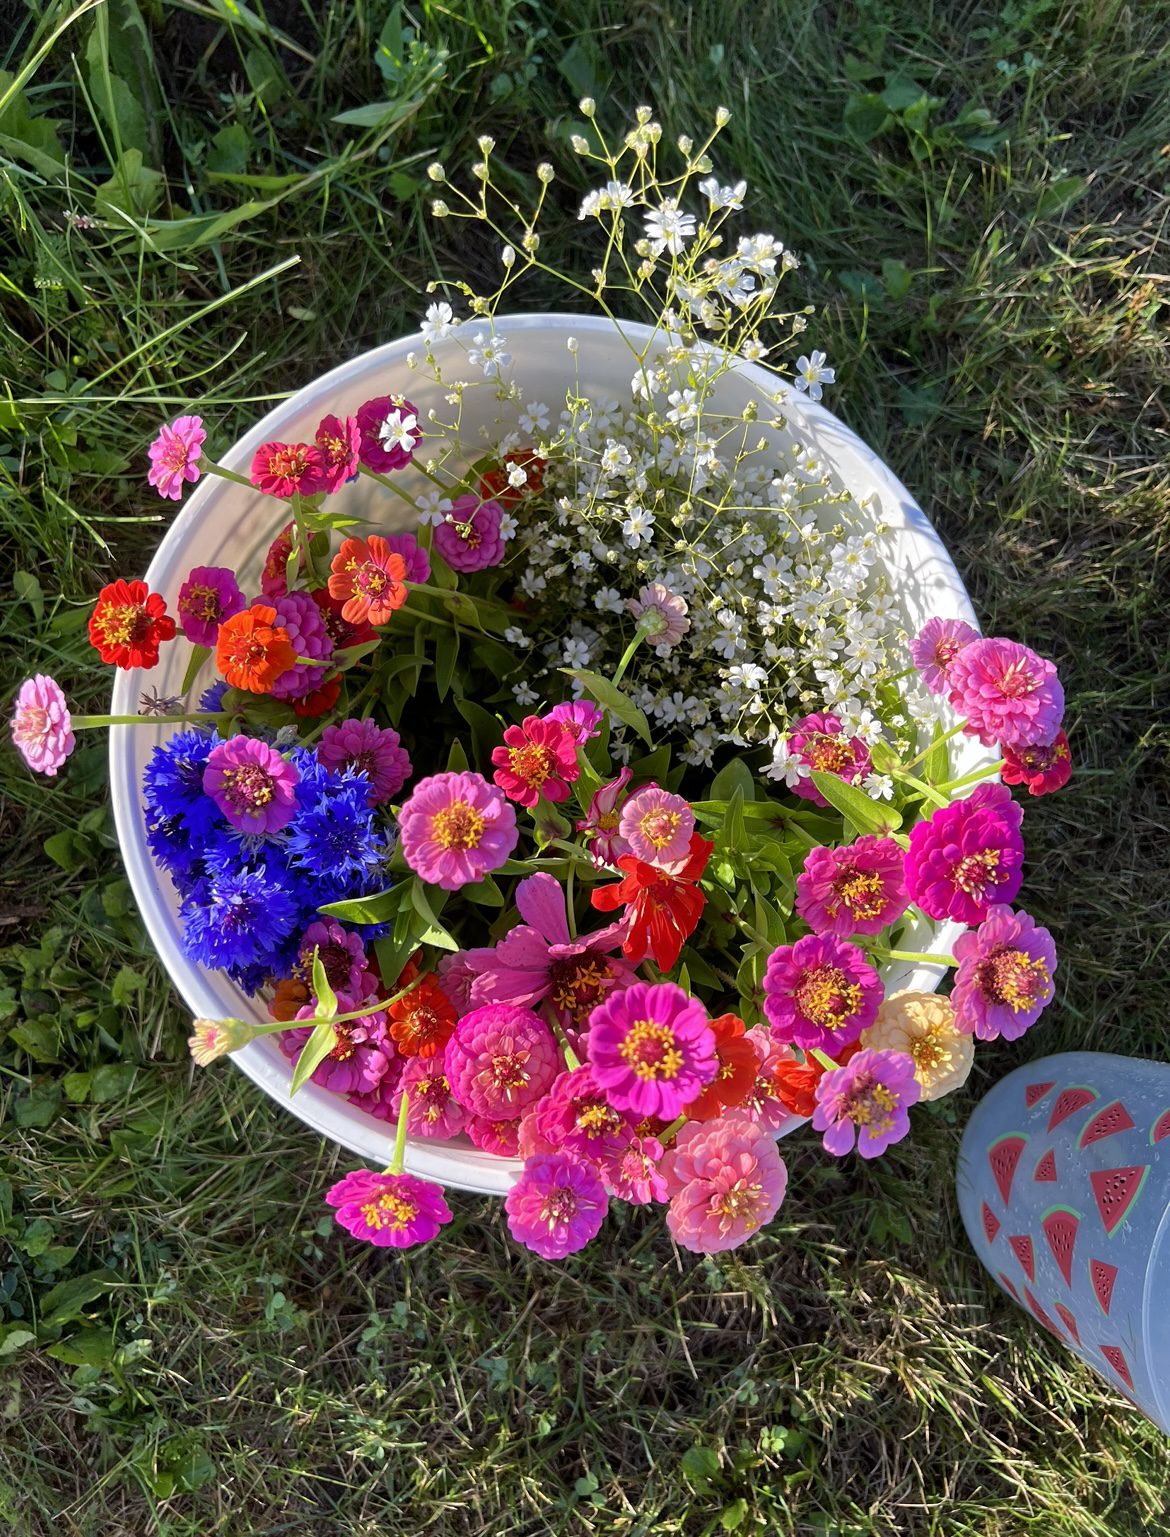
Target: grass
{"x": 978, "y": 193}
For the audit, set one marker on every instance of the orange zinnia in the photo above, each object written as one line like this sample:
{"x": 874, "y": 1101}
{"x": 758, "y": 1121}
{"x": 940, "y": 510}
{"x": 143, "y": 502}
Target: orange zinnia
{"x": 739, "y": 1062}
{"x": 252, "y": 651}
{"x": 423, "y": 1021}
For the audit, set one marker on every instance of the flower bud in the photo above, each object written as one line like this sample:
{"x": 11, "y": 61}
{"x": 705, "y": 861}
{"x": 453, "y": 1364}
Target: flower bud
{"x": 722, "y": 117}
{"x": 588, "y": 106}
{"x": 436, "y": 171}
{"x": 439, "y": 209}
{"x": 486, "y": 144}
{"x": 579, "y": 144}
{"x": 545, "y": 172}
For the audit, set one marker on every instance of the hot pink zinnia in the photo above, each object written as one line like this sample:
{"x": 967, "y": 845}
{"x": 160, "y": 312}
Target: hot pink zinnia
{"x": 469, "y": 538}
{"x": 174, "y": 456}
{"x": 1007, "y": 692}
{"x": 389, "y": 1210}
{"x": 499, "y": 1137}
{"x": 581, "y": 719}
{"x": 455, "y": 829}
{"x": 1042, "y": 769}
{"x": 343, "y": 955}
{"x": 41, "y": 725}
{"x": 657, "y": 825}
{"x": 819, "y": 741}
{"x": 309, "y": 637}
{"x": 339, "y": 442}
{"x": 820, "y": 993}
{"x": 1004, "y": 980}
{"x": 726, "y": 1180}
{"x": 376, "y": 750}
{"x": 935, "y": 647}
{"x": 414, "y": 557}
{"x": 280, "y": 469}
{"x": 652, "y": 1049}
{"x": 661, "y": 614}
{"x": 858, "y": 889}
{"x": 867, "y": 1101}
{"x": 576, "y": 1115}
{"x": 434, "y": 1111}
{"x": 390, "y": 432}
{"x": 274, "y": 576}
{"x": 538, "y": 759}
{"x": 557, "y": 1205}
{"x": 359, "y": 1060}
{"x": 967, "y": 856}
{"x": 500, "y": 1060}
{"x": 210, "y": 595}
{"x": 252, "y": 785}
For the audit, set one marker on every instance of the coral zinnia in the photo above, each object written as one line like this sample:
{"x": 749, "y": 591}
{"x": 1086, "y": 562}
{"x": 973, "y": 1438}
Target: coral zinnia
{"x": 252, "y": 651}
{"x": 129, "y": 624}
{"x": 663, "y": 907}
{"x": 1042, "y": 769}
{"x": 967, "y": 856}
{"x": 726, "y": 1180}
{"x": 370, "y": 577}
{"x": 389, "y": 1210}
{"x": 1004, "y": 980}
{"x": 421, "y": 1021}
{"x": 538, "y": 758}
{"x": 739, "y": 1062}
{"x": 820, "y": 993}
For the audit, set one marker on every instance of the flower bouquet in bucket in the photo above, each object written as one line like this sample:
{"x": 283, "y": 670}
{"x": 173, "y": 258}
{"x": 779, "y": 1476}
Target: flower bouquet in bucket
{"x": 571, "y": 778}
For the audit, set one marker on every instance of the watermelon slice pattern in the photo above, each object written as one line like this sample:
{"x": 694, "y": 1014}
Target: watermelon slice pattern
{"x": 1008, "y": 1285}
{"x": 1035, "y": 1092}
{"x": 1021, "y": 1246}
{"x": 1116, "y": 1358}
{"x": 991, "y": 1223}
{"x": 1161, "y": 1128}
{"x": 1068, "y": 1102}
{"x": 1041, "y": 1316}
{"x": 1115, "y": 1191}
{"x": 1069, "y": 1321}
{"x": 1106, "y": 1123}
{"x": 1103, "y": 1277}
{"x": 1046, "y": 1168}
{"x": 1060, "y": 1226}
{"x": 1004, "y": 1158}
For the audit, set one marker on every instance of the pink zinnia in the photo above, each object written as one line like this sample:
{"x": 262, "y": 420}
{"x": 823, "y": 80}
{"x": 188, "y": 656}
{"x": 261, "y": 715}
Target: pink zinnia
{"x": 456, "y": 975}
{"x": 606, "y": 844}
{"x": 661, "y": 615}
{"x": 499, "y": 1137}
{"x": 657, "y": 826}
{"x": 41, "y": 725}
{"x": 343, "y": 955}
{"x": 819, "y": 742}
{"x": 414, "y": 557}
{"x": 389, "y": 1210}
{"x": 635, "y": 1175}
{"x": 469, "y": 538}
{"x": 390, "y": 432}
{"x": 174, "y": 456}
{"x": 581, "y": 719}
{"x": 252, "y": 785}
{"x": 576, "y": 1115}
{"x": 726, "y": 1180}
{"x": 1004, "y": 980}
{"x": 557, "y": 1205}
{"x": 1007, "y": 693}
{"x": 360, "y": 1058}
{"x": 434, "y": 1111}
{"x": 208, "y": 597}
{"x": 1042, "y": 769}
{"x": 652, "y": 1049}
{"x": 500, "y": 1060}
{"x": 338, "y": 442}
{"x": 299, "y": 616}
{"x": 763, "y": 1102}
{"x": 820, "y": 993}
{"x": 538, "y": 959}
{"x": 867, "y": 1101}
{"x": 935, "y": 647}
{"x": 455, "y": 829}
{"x": 282, "y": 469}
{"x": 967, "y": 856}
{"x": 376, "y": 750}
{"x": 858, "y": 889}
{"x": 538, "y": 759}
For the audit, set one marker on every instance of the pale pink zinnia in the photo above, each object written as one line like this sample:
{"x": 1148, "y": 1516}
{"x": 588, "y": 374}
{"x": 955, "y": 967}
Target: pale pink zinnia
{"x": 661, "y": 615}
{"x": 726, "y": 1180}
{"x": 935, "y": 647}
{"x": 455, "y": 829}
{"x": 657, "y": 825}
{"x": 174, "y": 456}
{"x": 41, "y": 725}
{"x": 433, "y": 1110}
{"x": 1007, "y": 693}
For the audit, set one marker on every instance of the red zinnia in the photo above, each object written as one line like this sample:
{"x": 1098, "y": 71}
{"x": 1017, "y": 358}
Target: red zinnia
{"x": 319, "y": 702}
{"x": 1042, "y": 769}
{"x": 129, "y": 624}
{"x": 739, "y": 1062}
{"x": 663, "y": 907}
{"x": 421, "y": 1023}
{"x": 495, "y": 486}
{"x": 280, "y": 469}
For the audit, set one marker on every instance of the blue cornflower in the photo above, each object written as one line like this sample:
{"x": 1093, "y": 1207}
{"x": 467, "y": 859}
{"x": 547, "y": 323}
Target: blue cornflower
{"x": 211, "y": 698}
{"x": 172, "y": 785}
{"x": 241, "y": 921}
{"x": 338, "y": 841}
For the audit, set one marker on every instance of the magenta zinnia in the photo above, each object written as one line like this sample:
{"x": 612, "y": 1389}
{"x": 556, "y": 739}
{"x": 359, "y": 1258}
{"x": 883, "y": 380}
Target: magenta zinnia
{"x": 500, "y": 1060}
{"x": 652, "y": 1049}
{"x": 338, "y": 443}
{"x": 1042, "y": 769}
{"x": 375, "y": 750}
{"x": 725, "y": 1179}
{"x": 867, "y": 1101}
{"x": 252, "y": 785}
{"x": 820, "y": 993}
{"x": 538, "y": 759}
{"x": 934, "y": 649}
{"x": 455, "y": 829}
{"x": 1007, "y": 693}
{"x": 210, "y": 595}
{"x": 819, "y": 742}
{"x": 557, "y": 1206}
{"x": 967, "y": 856}
{"x": 470, "y": 538}
{"x": 41, "y": 725}
{"x": 1004, "y": 980}
{"x": 389, "y": 432}
{"x": 858, "y": 889}
{"x": 389, "y": 1210}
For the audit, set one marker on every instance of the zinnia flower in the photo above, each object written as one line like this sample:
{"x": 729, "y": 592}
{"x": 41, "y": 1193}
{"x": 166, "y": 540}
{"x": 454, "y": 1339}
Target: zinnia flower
{"x": 726, "y": 1180}
{"x": 497, "y": 484}
{"x": 764, "y": 1102}
{"x": 375, "y": 750}
{"x": 1004, "y": 980}
{"x": 342, "y": 631}
{"x": 129, "y": 624}
{"x": 538, "y": 759}
{"x": 663, "y": 907}
{"x": 820, "y": 993}
{"x": 370, "y": 577}
{"x": 252, "y": 651}
{"x": 211, "y": 1039}
{"x": 819, "y": 743}
{"x": 433, "y": 1110}
{"x": 343, "y": 956}
{"x": 338, "y": 443}
{"x": 389, "y": 1210}
{"x": 923, "y": 1026}
{"x": 422, "y": 1020}
{"x": 208, "y": 597}
{"x": 499, "y": 1137}
{"x": 738, "y": 1063}
{"x": 858, "y": 889}
{"x": 1007, "y": 692}
{"x": 360, "y": 1056}
{"x": 556, "y": 1206}
{"x": 1042, "y": 769}
{"x": 274, "y": 575}
{"x": 318, "y": 701}
{"x": 652, "y": 1049}
{"x": 390, "y": 432}
{"x": 867, "y": 1101}
{"x": 470, "y": 538}
{"x": 500, "y": 1060}
{"x": 285, "y": 469}
{"x": 967, "y": 856}
{"x": 581, "y": 719}
{"x": 600, "y": 827}
{"x": 41, "y": 725}
{"x": 301, "y": 620}
{"x": 455, "y": 829}
{"x": 657, "y": 825}
{"x": 935, "y": 647}
{"x": 635, "y": 1175}
{"x": 796, "y": 1082}
{"x": 576, "y": 1116}
{"x": 252, "y": 785}
{"x": 414, "y": 557}
{"x": 661, "y": 615}
{"x": 174, "y": 456}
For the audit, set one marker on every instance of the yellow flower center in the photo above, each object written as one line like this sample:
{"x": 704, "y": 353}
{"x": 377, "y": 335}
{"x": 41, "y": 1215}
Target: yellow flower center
{"x": 651, "y": 1050}
{"x": 860, "y": 891}
{"x": 458, "y": 826}
{"x": 390, "y": 1210}
{"x": 1012, "y": 978}
{"x": 659, "y": 827}
{"x": 739, "y": 1204}
{"x": 248, "y": 787}
{"x": 122, "y": 624}
{"x": 824, "y": 996}
{"x": 871, "y": 1109}
{"x": 596, "y": 1120}
{"x": 975, "y": 873}
{"x": 530, "y": 763}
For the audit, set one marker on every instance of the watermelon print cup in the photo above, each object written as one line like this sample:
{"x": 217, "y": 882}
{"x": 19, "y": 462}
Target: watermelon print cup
{"x": 1064, "y": 1188}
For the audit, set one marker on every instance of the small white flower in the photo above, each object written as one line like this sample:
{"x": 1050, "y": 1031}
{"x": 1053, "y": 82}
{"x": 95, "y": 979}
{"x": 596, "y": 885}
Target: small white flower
{"x": 723, "y": 197}
{"x": 508, "y": 527}
{"x": 399, "y": 430}
{"x": 638, "y": 527}
{"x": 811, "y": 373}
{"x": 747, "y": 675}
{"x": 572, "y": 343}
{"x": 517, "y": 476}
{"x": 433, "y": 507}
{"x": 785, "y": 766}
{"x": 879, "y": 787}
{"x": 524, "y": 694}
{"x": 534, "y": 418}
{"x": 487, "y": 352}
{"x": 576, "y": 654}
{"x": 608, "y": 600}
{"x": 508, "y": 256}
{"x": 440, "y": 322}
{"x": 515, "y": 636}
{"x": 669, "y": 228}
{"x": 615, "y": 457}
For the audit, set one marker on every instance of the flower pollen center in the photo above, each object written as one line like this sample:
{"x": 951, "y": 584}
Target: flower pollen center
{"x": 531, "y": 763}
{"x": 390, "y": 1210}
{"x": 458, "y": 826}
{"x": 248, "y": 787}
{"x": 871, "y": 1107}
{"x": 122, "y": 624}
{"x": 1012, "y": 979}
{"x": 829, "y": 754}
{"x": 508, "y": 1069}
{"x": 558, "y": 1208}
{"x": 977, "y": 874}
{"x": 860, "y": 891}
{"x": 651, "y": 1050}
{"x": 660, "y": 826}
{"x": 578, "y": 983}
{"x": 738, "y": 1204}
{"x": 824, "y": 996}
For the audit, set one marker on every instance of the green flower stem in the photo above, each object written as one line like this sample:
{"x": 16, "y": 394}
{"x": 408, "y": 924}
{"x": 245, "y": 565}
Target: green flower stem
{"x": 488, "y": 604}
{"x": 877, "y": 953}
{"x": 572, "y": 1060}
{"x": 938, "y": 741}
{"x": 384, "y": 480}
{"x": 90, "y": 722}
{"x": 969, "y": 779}
{"x": 628, "y": 655}
{"x": 572, "y": 850}
{"x": 826, "y": 1061}
{"x": 209, "y": 467}
{"x": 754, "y": 933}
{"x": 921, "y": 786}
{"x": 399, "y": 1158}
{"x": 669, "y": 1133}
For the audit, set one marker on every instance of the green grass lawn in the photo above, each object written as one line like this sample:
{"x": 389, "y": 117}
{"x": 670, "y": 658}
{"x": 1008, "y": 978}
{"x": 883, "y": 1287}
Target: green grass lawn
{"x": 979, "y": 195}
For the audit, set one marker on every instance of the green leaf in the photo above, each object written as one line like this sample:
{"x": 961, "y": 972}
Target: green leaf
{"x": 457, "y": 757}
{"x": 394, "y": 950}
{"x": 313, "y": 1053}
{"x": 115, "y": 101}
{"x": 28, "y": 589}
{"x": 378, "y": 908}
{"x": 613, "y": 700}
{"x": 486, "y": 730}
{"x": 1059, "y": 195}
{"x": 326, "y": 997}
{"x": 111, "y": 1082}
{"x": 700, "y": 1467}
{"x": 13, "y": 1338}
{"x": 734, "y": 1515}
{"x": 229, "y": 149}
{"x": 132, "y": 192}
{"x": 865, "y": 814}
{"x": 433, "y": 933}
{"x": 199, "y": 655}
{"x": 936, "y": 766}
{"x": 866, "y": 115}
{"x": 485, "y": 892}
{"x": 731, "y": 777}
{"x": 89, "y": 1347}
{"x": 68, "y": 1300}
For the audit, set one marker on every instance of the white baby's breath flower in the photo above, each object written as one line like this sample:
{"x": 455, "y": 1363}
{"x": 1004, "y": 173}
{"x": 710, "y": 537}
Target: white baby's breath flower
{"x": 488, "y": 353}
{"x": 439, "y": 322}
{"x": 399, "y": 430}
{"x": 723, "y": 197}
{"x": 508, "y": 527}
{"x": 576, "y": 653}
{"x": 669, "y": 227}
{"x": 534, "y": 418}
{"x": 524, "y": 694}
{"x": 811, "y": 373}
{"x": 879, "y": 787}
{"x": 433, "y": 507}
{"x": 508, "y": 256}
{"x": 609, "y": 600}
